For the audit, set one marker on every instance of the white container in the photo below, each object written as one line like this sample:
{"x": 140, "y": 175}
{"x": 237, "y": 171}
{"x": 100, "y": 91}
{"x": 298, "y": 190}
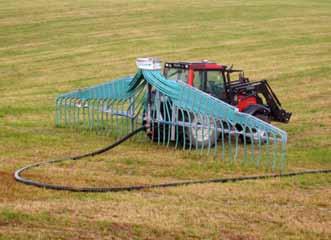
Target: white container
{"x": 148, "y": 63}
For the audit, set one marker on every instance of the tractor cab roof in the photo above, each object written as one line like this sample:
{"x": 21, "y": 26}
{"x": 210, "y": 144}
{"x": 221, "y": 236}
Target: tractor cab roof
{"x": 195, "y": 65}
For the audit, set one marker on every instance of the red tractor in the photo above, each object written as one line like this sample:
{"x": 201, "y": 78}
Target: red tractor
{"x": 255, "y": 98}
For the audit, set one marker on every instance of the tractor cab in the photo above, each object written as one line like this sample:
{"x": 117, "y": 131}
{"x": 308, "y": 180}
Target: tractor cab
{"x": 209, "y": 77}
{"x": 231, "y": 86}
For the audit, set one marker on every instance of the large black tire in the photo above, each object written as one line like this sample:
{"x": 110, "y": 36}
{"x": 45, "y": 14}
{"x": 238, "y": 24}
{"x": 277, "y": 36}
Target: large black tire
{"x": 199, "y": 136}
{"x": 256, "y": 134}
{"x": 262, "y": 116}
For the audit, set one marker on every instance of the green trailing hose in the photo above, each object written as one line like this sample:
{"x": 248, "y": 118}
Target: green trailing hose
{"x": 177, "y": 113}
{"x": 19, "y": 178}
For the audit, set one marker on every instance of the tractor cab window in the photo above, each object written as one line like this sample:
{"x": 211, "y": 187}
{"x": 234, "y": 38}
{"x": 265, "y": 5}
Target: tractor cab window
{"x": 176, "y": 74}
{"x": 215, "y": 77}
{"x": 199, "y": 80}
{"x": 215, "y": 84}
{"x": 211, "y": 81}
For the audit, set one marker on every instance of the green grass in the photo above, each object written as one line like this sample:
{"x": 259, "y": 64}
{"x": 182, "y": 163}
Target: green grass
{"x": 48, "y": 48}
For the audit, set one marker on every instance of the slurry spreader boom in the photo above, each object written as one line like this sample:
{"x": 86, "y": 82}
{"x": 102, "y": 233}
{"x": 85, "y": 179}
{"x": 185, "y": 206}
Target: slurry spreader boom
{"x": 193, "y": 106}
{"x": 183, "y": 107}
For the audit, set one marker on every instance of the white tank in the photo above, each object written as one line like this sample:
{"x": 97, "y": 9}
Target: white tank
{"x": 148, "y": 63}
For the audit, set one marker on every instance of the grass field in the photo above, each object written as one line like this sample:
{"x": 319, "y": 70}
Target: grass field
{"x": 51, "y": 47}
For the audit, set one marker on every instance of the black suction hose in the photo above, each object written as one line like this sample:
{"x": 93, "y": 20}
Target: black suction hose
{"x": 19, "y": 178}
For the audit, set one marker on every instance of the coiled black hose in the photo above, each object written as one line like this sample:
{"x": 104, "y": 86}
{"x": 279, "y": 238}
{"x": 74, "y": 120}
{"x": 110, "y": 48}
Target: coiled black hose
{"x": 19, "y": 178}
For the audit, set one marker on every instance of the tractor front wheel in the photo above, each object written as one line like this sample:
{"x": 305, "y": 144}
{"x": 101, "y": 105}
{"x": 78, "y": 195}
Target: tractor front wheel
{"x": 257, "y": 136}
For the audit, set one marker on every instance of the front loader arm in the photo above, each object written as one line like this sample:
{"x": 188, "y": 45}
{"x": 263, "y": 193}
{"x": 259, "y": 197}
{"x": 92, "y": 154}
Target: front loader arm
{"x": 277, "y": 113}
{"x": 276, "y": 110}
